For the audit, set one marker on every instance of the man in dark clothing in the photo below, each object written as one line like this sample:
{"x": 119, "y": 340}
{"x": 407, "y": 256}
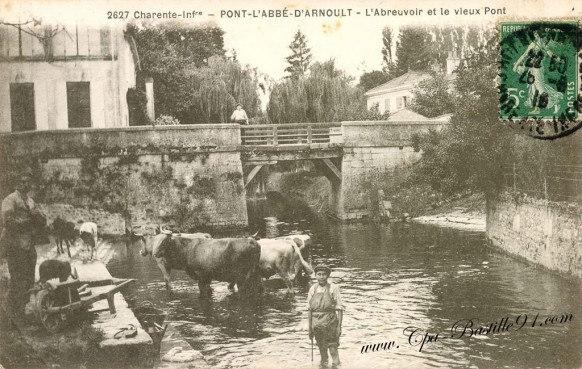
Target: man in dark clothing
{"x": 20, "y": 219}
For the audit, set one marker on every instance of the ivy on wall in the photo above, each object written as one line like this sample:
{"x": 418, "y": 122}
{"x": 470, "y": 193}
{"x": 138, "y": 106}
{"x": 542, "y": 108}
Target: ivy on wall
{"x": 106, "y": 180}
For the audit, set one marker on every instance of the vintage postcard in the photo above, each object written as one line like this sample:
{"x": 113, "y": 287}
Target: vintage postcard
{"x": 290, "y": 184}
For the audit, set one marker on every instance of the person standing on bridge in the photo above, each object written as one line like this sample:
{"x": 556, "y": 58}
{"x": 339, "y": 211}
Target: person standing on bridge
{"x": 325, "y": 308}
{"x": 239, "y": 115}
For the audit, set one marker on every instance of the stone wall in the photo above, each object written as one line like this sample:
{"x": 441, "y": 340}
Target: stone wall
{"x": 375, "y": 157}
{"x": 189, "y": 176}
{"x": 546, "y": 233}
{"x": 107, "y": 223}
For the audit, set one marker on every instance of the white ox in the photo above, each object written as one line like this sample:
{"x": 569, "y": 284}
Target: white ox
{"x": 282, "y": 256}
{"x": 302, "y": 240}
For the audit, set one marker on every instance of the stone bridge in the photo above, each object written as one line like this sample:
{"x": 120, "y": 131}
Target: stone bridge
{"x": 211, "y": 164}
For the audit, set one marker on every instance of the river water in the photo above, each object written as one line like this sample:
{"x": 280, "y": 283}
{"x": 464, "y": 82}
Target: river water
{"x": 395, "y": 279}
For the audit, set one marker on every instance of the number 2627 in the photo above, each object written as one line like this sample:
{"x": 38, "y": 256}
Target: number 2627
{"x": 118, "y": 15}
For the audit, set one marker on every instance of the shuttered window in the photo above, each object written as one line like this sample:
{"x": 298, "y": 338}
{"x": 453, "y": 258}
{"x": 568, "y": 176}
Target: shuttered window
{"x": 22, "y": 107}
{"x": 78, "y": 104}
{"x": 386, "y": 105}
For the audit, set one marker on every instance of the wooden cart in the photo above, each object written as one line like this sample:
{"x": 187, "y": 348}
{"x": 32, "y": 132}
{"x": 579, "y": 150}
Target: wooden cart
{"x": 55, "y": 303}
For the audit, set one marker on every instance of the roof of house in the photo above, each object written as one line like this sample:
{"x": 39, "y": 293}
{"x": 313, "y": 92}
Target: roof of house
{"x": 407, "y": 79}
{"x": 442, "y": 118}
{"x": 406, "y": 115}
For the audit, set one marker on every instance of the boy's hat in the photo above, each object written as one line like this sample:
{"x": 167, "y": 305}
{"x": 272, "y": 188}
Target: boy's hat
{"x": 322, "y": 267}
{"x": 239, "y": 104}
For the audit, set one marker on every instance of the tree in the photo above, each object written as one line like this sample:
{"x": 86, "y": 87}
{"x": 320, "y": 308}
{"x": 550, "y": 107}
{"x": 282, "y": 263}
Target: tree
{"x": 193, "y": 80}
{"x": 369, "y": 80}
{"x": 433, "y": 97}
{"x": 43, "y": 33}
{"x": 325, "y": 95}
{"x": 413, "y": 51}
{"x": 218, "y": 87}
{"x": 427, "y": 48}
{"x": 387, "y": 62}
{"x": 301, "y": 56}
{"x": 468, "y": 154}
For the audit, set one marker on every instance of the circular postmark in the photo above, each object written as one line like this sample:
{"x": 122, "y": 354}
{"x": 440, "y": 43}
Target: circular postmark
{"x": 539, "y": 85}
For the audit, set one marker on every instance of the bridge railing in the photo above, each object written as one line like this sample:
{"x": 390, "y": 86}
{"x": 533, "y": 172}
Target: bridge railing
{"x": 290, "y": 134}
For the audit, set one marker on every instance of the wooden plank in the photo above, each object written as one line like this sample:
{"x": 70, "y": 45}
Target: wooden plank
{"x": 333, "y": 168}
{"x": 252, "y": 174}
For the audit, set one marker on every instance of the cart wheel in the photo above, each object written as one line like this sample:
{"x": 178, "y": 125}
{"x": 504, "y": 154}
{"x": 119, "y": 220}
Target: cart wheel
{"x": 53, "y": 322}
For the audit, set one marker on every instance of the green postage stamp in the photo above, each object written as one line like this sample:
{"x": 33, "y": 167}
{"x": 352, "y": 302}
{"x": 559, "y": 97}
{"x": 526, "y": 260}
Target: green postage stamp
{"x": 539, "y": 77}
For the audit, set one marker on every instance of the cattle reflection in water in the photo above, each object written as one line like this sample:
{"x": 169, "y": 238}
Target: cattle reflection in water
{"x": 233, "y": 260}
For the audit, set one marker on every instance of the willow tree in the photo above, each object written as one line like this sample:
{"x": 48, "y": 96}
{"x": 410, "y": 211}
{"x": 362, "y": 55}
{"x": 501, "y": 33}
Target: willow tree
{"x": 218, "y": 87}
{"x": 324, "y": 95}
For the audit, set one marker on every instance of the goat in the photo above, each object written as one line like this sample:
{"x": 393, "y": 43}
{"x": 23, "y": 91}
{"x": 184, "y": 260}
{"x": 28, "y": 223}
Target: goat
{"x": 53, "y": 268}
{"x": 88, "y": 233}
{"x": 64, "y": 231}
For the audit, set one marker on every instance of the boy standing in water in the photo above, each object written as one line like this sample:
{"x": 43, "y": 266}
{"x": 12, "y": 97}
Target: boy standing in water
{"x": 325, "y": 316}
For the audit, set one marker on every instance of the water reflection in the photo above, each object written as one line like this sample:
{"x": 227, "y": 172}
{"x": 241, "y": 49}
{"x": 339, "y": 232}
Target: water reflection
{"x": 392, "y": 276}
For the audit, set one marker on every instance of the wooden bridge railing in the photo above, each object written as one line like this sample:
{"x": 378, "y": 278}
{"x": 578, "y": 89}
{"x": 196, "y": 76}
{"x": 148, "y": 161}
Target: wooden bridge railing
{"x": 291, "y": 134}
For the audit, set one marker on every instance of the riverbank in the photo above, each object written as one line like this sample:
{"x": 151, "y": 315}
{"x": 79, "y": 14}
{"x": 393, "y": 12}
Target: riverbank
{"x": 460, "y": 218}
{"x": 90, "y": 339}
{"x": 462, "y": 212}
{"x": 466, "y": 213}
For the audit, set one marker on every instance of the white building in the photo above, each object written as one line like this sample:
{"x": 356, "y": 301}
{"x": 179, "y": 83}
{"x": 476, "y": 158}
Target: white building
{"x": 78, "y": 77}
{"x": 396, "y": 94}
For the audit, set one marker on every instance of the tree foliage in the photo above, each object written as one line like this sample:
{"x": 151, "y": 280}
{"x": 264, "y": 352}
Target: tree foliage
{"x": 413, "y": 51}
{"x": 324, "y": 95}
{"x": 301, "y": 56}
{"x": 193, "y": 80}
{"x": 427, "y": 48}
{"x": 369, "y": 80}
{"x": 468, "y": 154}
{"x": 387, "y": 40}
{"x": 218, "y": 87}
{"x": 433, "y": 96}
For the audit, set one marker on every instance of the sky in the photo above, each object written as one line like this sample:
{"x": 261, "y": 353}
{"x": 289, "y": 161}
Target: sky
{"x": 355, "y": 41}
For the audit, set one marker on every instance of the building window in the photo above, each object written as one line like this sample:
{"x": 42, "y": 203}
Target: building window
{"x": 78, "y": 104}
{"x": 22, "y": 107}
{"x": 386, "y": 105}
{"x": 399, "y": 103}
{"x": 105, "y": 42}
{"x": 405, "y": 98}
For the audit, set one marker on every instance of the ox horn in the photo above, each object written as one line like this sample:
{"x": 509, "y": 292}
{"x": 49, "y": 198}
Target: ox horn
{"x": 254, "y": 237}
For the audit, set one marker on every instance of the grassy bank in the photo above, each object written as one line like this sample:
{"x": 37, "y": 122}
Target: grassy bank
{"x": 27, "y": 345}
{"x": 414, "y": 200}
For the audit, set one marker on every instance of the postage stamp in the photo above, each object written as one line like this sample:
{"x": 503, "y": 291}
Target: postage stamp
{"x": 539, "y": 77}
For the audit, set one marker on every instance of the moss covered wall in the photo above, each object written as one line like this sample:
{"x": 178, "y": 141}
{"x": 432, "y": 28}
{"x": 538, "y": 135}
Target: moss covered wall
{"x": 190, "y": 176}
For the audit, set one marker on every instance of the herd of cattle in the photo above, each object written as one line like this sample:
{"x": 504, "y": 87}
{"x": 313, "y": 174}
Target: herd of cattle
{"x": 239, "y": 261}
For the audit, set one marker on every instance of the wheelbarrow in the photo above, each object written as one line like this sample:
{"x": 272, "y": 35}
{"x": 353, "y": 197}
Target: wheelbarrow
{"x": 56, "y": 303}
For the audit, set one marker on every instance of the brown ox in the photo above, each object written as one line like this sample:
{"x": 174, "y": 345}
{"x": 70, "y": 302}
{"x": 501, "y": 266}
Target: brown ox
{"x": 151, "y": 245}
{"x": 233, "y": 260}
